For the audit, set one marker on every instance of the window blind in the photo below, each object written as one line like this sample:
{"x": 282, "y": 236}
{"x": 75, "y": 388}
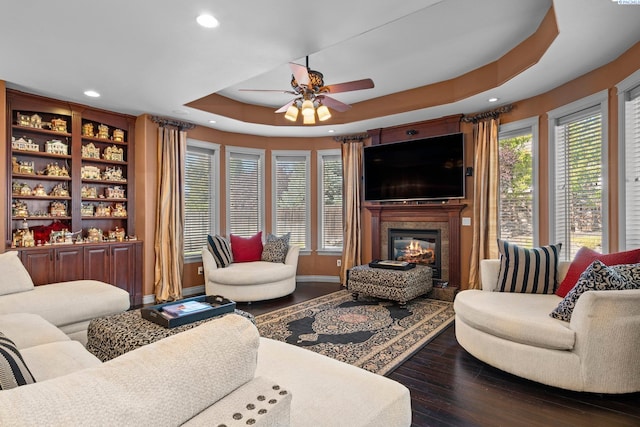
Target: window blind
{"x": 578, "y": 181}
{"x": 245, "y": 202}
{"x": 516, "y": 187}
{"x": 199, "y": 201}
{"x": 632, "y": 168}
{"x": 331, "y": 233}
{"x": 292, "y": 199}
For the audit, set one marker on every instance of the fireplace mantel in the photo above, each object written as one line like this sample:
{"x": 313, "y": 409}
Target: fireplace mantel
{"x": 426, "y": 212}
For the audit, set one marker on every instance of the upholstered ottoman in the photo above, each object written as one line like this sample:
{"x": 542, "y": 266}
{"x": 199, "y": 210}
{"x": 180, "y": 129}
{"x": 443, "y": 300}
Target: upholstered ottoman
{"x": 395, "y": 285}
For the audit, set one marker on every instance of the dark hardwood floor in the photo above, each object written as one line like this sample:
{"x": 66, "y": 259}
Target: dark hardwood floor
{"x": 449, "y": 387}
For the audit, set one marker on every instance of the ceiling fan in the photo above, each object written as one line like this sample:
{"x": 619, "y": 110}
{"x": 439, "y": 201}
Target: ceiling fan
{"x": 312, "y": 94}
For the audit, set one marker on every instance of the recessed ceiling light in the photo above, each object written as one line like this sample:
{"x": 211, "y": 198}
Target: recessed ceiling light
{"x": 493, "y": 99}
{"x": 331, "y": 131}
{"x": 212, "y": 121}
{"x": 207, "y": 21}
{"x": 92, "y": 93}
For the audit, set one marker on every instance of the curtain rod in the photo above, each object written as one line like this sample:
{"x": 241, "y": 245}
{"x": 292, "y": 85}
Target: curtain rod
{"x": 171, "y": 122}
{"x": 474, "y": 118}
{"x": 348, "y": 138}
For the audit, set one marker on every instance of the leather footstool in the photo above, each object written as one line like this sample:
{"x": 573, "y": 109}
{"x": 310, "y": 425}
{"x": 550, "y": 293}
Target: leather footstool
{"x": 395, "y": 285}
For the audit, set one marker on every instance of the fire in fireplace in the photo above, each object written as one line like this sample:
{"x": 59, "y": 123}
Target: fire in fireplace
{"x": 419, "y": 246}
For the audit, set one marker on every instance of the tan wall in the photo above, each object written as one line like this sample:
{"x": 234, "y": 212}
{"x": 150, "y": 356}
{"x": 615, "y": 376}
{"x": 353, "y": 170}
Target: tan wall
{"x": 4, "y": 238}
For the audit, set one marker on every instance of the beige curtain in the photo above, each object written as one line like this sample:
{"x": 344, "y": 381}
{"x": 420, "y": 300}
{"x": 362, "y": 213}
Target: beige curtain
{"x": 169, "y": 214}
{"x": 485, "y": 197}
{"x": 351, "y": 173}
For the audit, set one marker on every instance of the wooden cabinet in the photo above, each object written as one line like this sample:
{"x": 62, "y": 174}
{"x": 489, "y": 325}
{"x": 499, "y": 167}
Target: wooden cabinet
{"x": 70, "y": 169}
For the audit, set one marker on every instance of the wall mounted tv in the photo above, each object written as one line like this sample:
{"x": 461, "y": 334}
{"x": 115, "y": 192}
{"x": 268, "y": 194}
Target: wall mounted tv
{"x": 419, "y": 169}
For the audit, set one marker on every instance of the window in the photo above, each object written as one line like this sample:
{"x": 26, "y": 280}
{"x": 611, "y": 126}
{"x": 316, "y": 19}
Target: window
{"x": 330, "y": 227}
{"x": 518, "y": 219}
{"x": 201, "y": 189}
{"x": 629, "y": 161}
{"x": 245, "y": 190}
{"x": 578, "y": 157}
{"x": 291, "y": 212}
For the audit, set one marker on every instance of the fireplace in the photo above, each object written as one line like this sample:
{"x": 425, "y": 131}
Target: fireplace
{"x": 416, "y": 245}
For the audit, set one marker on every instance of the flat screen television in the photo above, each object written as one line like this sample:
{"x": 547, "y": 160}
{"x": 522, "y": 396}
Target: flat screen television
{"x": 419, "y": 169}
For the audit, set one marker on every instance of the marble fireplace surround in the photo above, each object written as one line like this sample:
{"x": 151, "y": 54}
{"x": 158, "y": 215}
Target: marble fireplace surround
{"x": 432, "y": 216}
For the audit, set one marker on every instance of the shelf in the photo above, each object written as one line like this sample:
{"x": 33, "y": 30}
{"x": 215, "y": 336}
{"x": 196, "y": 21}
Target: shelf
{"x": 36, "y": 218}
{"x": 44, "y": 177}
{"x": 103, "y": 161}
{"x": 103, "y": 199}
{"x": 20, "y": 196}
{"x": 103, "y": 140}
{"x": 104, "y": 217}
{"x": 100, "y": 181}
{"x": 41, "y": 131}
{"x": 40, "y": 154}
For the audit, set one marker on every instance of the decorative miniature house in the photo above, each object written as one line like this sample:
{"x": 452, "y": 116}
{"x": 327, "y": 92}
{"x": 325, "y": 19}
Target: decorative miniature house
{"x": 113, "y": 153}
{"x": 19, "y": 209}
{"x": 35, "y": 121}
{"x": 103, "y": 131}
{"x": 87, "y": 209}
{"x": 102, "y": 210}
{"x": 90, "y": 172}
{"x": 53, "y": 169}
{"x": 23, "y": 144}
{"x": 118, "y": 234}
{"x": 22, "y": 167}
{"x": 87, "y": 192}
{"x": 39, "y": 190}
{"x": 59, "y": 190}
{"x": 113, "y": 174}
{"x": 58, "y": 209}
{"x": 55, "y": 146}
{"x": 23, "y": 119}
{"x": 118, "y": 135}
{"x": 20, "y": 189}
{"x": 87, "y": 129}
{"x": 23, "y": 238}
{"x": 59, "y": 125}
{"x": 94, "y": 235}
{"x": 115, "y": 192}
{"x": 90, "y": 151}
{"x": 119, "y": 210}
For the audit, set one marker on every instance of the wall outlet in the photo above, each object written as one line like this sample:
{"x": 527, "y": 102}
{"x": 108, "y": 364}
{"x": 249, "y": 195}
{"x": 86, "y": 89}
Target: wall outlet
{"x": 200, "y": 270}
{"x": 338, "y": 263}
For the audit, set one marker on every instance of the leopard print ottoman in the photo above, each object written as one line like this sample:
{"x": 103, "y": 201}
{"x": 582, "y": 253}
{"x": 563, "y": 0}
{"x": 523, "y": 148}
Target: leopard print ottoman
{"x": 395, "y": 285}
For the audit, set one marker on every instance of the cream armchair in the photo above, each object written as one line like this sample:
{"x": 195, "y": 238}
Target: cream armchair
{"x": 251, "y": 281}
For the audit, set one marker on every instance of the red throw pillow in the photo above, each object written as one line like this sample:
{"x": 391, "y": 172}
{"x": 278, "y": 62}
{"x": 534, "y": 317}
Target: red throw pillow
{"x": 246, "y": 249}
{"x": 585, "y": 257}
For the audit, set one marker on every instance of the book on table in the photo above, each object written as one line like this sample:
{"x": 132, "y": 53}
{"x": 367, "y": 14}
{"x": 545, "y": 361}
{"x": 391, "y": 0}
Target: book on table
{"x": 184, "y": 308}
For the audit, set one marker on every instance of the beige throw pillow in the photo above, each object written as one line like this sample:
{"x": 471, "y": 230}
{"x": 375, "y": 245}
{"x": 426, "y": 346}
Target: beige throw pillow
{"x": 15, "y": 278}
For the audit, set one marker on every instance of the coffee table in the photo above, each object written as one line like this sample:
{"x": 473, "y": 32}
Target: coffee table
{"x": 112, "y": 336}
{"x": 396, "y": 285}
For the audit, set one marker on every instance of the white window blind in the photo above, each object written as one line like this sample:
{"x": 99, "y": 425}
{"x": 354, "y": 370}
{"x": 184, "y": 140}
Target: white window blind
{"x": 291, "y": 198}
{"x": 579, "y": 181}
{"x": 632, "y": 168}
{"x": 331, "y": 207}
{"x": 199, "y": 198}
{"x": 516, "y": 187}
{"x": 245, "y": 194}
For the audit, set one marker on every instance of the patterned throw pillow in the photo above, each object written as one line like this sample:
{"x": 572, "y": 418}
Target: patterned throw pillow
{"x": 276, "y": 248}
{"x": 13, "y": 371}
{"x": 532, "y": 271}
{"x": 220, "y": 248}
{"x": 598, "y": 277}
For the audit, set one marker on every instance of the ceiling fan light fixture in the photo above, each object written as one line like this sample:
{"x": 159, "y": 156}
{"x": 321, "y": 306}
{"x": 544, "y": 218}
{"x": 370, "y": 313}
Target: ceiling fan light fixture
{"x": 323, "y": 113}
{"x": 292, "y": 113}
{"x": 309, "y": 119}
{"x": 307, "y": 108}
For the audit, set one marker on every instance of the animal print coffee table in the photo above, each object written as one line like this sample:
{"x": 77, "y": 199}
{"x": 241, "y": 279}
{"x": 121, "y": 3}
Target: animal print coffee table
{"x": 112, "y": 336}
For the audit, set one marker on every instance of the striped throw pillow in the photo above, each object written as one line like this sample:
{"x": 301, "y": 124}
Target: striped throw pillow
{"x": 220, "y": 248}
{"x": 533, "y": 271}
{"x": 13, "y": 371}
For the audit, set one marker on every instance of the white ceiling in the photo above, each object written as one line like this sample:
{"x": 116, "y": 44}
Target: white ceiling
{"x": 152, "y": 57}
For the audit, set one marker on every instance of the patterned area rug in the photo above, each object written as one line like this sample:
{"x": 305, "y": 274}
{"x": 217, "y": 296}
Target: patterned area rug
{"x": 373, "y": 334}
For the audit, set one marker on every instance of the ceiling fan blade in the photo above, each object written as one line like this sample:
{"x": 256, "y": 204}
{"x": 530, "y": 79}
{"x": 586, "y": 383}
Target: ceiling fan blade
{"x": 334, "y": 103}
{"x": 268, "y": 90}
{"x": 300, "y": 73}
{"x": 350, "y": 86}
{"x": 286, "y": 106}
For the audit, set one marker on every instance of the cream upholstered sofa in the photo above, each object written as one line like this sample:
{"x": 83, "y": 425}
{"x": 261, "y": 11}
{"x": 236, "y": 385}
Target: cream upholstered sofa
{"x": 251, "y": 281}
{"x": 218, "y": 373}
{"x": 596, "y": 351}
{"x": 68, "y": 305}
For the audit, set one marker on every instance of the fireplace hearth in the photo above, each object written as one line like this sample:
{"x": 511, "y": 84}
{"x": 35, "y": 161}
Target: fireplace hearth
{"x": 418, "y": 246}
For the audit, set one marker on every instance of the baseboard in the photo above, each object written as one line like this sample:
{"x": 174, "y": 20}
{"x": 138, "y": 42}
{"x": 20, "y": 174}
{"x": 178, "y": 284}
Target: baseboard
{"x": 186, "y": 292}
{"x": 327, "y": 279}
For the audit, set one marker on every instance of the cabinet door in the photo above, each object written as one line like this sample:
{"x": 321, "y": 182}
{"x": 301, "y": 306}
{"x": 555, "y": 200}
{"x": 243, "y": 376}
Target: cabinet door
{"x": 97, "y": 263}
{"x": 69, "y": 264}
{"x": 123, "y": 267}
{"x": 40, "y": 265}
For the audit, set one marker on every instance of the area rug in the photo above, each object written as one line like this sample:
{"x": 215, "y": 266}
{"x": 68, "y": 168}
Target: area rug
{"x": 373, "y": 334}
